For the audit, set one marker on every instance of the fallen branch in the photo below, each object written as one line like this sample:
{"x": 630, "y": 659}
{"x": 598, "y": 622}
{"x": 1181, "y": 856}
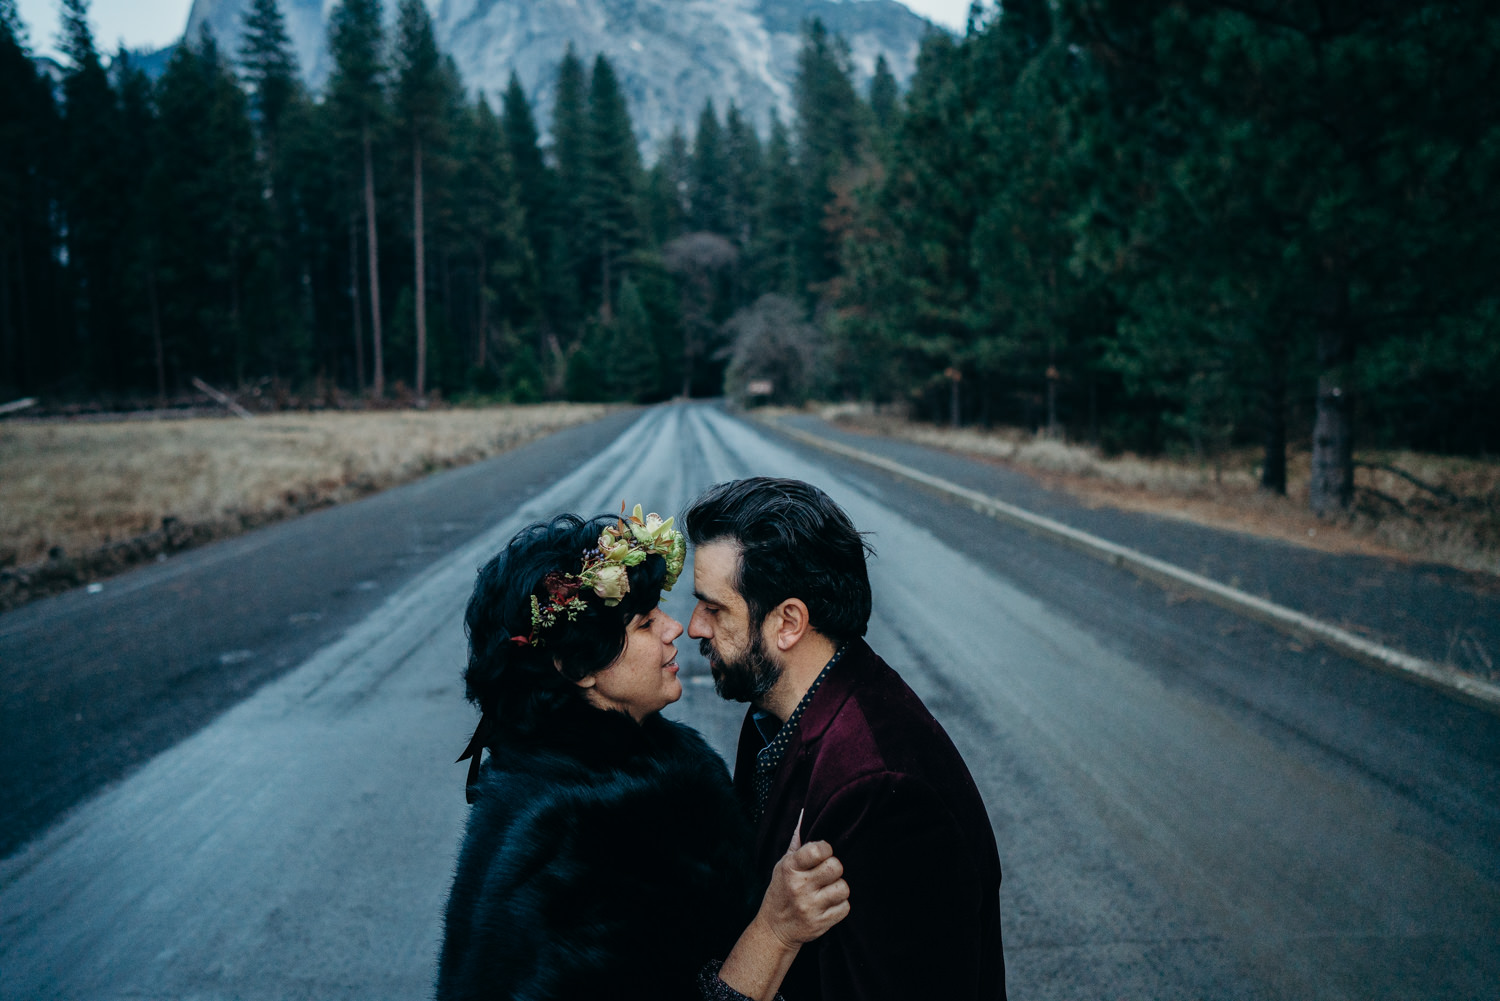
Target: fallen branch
{"x": 1387, "y": 498}
{"x": 15, "y": 405}
{"x": 1446, "y": 495}
{"x": 224, "y": 399}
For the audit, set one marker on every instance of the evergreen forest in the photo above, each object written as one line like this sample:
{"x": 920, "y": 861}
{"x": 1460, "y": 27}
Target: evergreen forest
{"x": 1153, "y": 225}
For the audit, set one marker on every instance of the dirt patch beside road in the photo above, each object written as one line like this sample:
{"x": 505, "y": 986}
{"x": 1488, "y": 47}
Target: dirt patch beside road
{"x": 1407, "y": 505}
{"x": 82, "y": 500}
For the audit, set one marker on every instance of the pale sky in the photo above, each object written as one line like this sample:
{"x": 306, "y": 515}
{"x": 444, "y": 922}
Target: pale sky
{"x": 142, "y": 24}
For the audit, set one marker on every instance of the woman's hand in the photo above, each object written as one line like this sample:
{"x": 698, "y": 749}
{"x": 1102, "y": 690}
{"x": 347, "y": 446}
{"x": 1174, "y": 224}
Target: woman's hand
{"x": 807, "y": 895}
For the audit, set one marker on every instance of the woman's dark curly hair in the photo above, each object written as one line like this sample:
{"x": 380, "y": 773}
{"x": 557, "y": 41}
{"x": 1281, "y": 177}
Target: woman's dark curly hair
{"x": 518, "y": 684}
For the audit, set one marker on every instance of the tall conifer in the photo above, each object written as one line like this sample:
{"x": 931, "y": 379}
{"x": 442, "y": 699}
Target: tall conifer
{"x": 30, "y": 326}
{"x": 420, "y": 100}
{"x": 568, "y": 271}
{"x": 613, "y": 179}
{"x": 533, "y": 178}
{"x": 828, "y": 140}
{"x": 357, "y": 92}
{"x": 709, "y": 195}
{"x": 92, "y": 202}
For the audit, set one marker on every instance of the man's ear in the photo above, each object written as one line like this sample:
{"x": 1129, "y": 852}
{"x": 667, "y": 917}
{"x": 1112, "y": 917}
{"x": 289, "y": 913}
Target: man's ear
{"x": 789, "y": 623}
{"x": 587, "y": 681}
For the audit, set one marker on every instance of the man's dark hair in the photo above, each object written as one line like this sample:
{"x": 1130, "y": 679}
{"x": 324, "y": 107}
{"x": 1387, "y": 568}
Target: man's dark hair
{"x": 795, "y": 542}
{"x": 520, "y": 683}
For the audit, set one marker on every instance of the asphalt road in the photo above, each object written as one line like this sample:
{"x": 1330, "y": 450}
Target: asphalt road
{"x": 1187, "y": 805}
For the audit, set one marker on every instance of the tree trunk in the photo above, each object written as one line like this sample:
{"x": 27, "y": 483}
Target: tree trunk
{"x": 1052, "y": 377}
{"x": 1273, "y": 465}
{"x": 26, "y": 356}
{"x": 374, "y": 247}
{"x": 234, "y": 314}
{"x": 1331, "y": 489}
{"x": 1093, "y": 411}
{"x": 421, "y": 276}
{"x": 9, "y": 342}
{"x": 484, "y": 313}
{"x": 605, "y": 312}
{"x": 359, "y": 331}
{"x": 161, "y": 355}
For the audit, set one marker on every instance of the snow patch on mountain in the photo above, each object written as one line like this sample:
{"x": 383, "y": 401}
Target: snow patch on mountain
{"x": 670, "y": 55}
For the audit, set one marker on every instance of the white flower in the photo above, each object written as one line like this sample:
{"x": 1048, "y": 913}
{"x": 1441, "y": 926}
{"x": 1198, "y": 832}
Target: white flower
{"x": 611, "y": 583}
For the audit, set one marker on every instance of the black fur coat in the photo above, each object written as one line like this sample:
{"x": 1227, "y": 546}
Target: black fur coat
{"x": 603, "y": 859}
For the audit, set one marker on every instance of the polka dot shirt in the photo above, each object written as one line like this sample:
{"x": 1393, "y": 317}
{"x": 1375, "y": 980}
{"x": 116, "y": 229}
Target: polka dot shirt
{"x": 769, "y": 758}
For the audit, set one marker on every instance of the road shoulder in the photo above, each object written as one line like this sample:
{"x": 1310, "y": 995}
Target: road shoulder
{"x": 1429, "y": 623}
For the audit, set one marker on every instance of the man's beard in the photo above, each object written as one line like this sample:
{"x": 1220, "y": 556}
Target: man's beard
{"x": 749, "y": 677}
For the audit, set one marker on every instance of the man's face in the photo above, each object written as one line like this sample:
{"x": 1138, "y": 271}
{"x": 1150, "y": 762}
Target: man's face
{"x": 743, "y": 670}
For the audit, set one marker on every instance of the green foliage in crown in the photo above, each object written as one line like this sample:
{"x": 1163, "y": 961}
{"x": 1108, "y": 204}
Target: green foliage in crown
{"x": 606, "y": 567}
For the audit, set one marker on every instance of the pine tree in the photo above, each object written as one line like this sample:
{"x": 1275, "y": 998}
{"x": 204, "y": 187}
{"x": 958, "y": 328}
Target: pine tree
{"x": 268, "y": 66}
{"x": 1268, "y": 179}
{"x": 567, "y": 271}
{"x": 742, "y": 174}
{"x": 143, "y": 319}
{"x": 92, "y": 204}
{"x": 634, "y": 370}
{"x": 708, "y": 191}
{"x": 912, "y": 278}
{"x": 775, "y": 258}
{"x": 356, "y": 90}
{"x": 30, "y": 276}
{"x": 420, "y": 99}
{"x": 533, "y": 179}
{"x": 667, "y": 186}
{"x": 884, "y": 97}
{"x": 205, "y": 202}
{"x": 613, "y": 181}
{"x": 828, "y": 141}
{"x": 495, "y": 231}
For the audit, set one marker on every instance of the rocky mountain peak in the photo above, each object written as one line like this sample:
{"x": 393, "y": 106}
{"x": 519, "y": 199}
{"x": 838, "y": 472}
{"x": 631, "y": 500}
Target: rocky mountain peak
{"x": 670, "y": 55}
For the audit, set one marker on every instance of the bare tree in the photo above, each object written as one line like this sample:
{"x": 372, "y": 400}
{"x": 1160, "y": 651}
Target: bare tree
{"x": 773, "y": 342}
{"x": 697, "y": 259}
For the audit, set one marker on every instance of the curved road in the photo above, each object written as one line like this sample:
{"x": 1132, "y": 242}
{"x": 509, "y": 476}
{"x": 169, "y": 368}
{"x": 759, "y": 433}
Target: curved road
{"x": 1187, "y": 805}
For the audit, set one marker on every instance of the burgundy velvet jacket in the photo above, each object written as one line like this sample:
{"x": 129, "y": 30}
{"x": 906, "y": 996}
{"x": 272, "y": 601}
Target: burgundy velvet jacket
{"x": 882, "y": 783}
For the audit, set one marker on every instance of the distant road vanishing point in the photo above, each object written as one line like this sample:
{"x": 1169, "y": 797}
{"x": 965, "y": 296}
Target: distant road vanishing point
{"x": 1185, "y": 808}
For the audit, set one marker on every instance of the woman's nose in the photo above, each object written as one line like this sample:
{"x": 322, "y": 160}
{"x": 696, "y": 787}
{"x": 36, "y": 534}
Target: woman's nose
{"x": 673, "y": 630}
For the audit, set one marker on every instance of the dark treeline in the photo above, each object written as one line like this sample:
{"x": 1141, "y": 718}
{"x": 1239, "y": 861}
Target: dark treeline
{"x": 1151, "y": 225}
{"x": 1203, "y": 223}
{"x": 392, "y": 236}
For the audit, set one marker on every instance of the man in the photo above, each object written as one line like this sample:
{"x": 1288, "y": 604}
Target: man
{"x": 835, "y": 741}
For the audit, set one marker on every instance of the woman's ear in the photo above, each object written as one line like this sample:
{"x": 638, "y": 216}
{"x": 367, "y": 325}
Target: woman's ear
{"x": 789, "y": 623}
{"x": 587, "y": 681}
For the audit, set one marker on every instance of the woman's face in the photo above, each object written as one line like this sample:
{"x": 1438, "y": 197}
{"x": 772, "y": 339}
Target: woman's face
{"x": 643, "y": 679}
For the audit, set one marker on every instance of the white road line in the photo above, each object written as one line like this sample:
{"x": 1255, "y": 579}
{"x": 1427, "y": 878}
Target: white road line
{"x": 1473, "y": 690}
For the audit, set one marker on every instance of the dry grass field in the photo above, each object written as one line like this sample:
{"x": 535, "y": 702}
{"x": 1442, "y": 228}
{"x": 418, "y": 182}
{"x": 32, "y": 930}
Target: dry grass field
{"x": 81, "y": 499}
{"x": 1443, "y": 509}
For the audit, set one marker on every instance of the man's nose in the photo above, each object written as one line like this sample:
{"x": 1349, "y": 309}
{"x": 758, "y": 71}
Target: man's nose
{"x": 697, "y": 625}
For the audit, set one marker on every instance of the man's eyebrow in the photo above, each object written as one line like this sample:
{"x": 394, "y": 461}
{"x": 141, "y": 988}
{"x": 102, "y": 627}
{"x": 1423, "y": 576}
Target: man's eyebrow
{"x": 703, "y": 597}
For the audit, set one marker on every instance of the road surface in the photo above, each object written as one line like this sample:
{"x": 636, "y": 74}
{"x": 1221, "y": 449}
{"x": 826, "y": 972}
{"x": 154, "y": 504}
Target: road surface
{"x": 1187, "y": 805}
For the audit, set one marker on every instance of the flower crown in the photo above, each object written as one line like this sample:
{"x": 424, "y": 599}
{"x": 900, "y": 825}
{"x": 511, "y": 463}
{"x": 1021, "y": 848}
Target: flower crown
{"x": 605, "y": 569}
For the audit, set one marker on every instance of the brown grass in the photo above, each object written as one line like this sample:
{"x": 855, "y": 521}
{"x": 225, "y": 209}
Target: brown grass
{"x": 1453, "y": 518}
{"x": 101, "y": 496}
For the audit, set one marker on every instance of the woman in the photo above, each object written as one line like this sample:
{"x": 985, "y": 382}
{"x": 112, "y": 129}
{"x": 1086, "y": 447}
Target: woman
{"x": 605, "y": 855}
